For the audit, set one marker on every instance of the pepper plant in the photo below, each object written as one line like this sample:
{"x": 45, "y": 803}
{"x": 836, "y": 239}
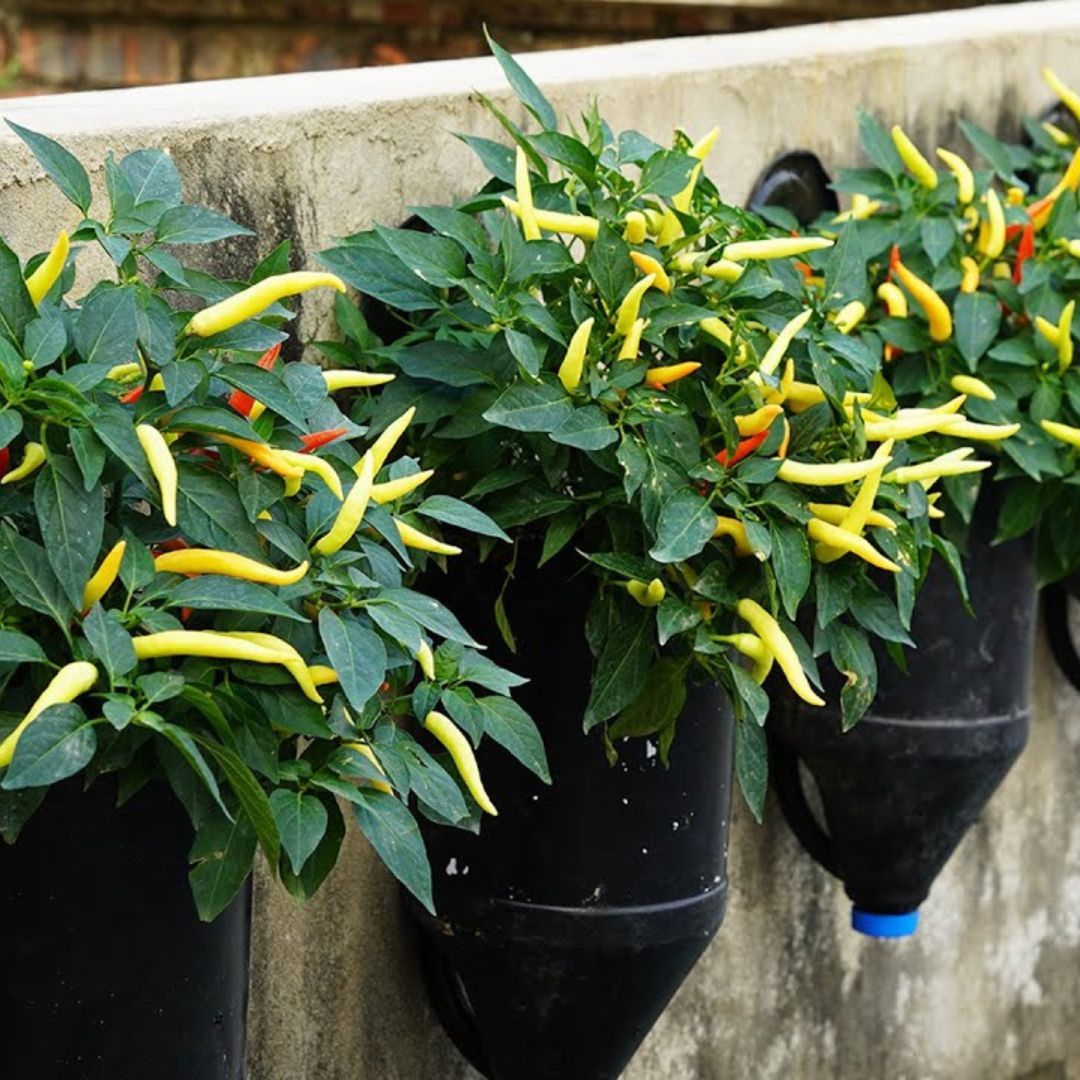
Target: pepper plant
{"x": 969, "y": 304}
{"x": 200, "y": 580}
{"x": 607, "y": 358}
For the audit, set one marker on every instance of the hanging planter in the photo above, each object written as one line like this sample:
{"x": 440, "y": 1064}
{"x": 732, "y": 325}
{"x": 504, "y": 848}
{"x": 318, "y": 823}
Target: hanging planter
{"x": 108, "y": 971}
{"x": 900, "y": 789}
{"x": 567, "y": 924}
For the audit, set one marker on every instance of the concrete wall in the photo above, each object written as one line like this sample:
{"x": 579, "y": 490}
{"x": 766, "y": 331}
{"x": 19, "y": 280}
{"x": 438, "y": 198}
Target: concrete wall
{"x": 990, "y": 988}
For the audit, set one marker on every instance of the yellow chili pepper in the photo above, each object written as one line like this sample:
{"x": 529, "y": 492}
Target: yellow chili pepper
{"x": 1062, "y": 138}
{"x": 777, "y": 642}
{"x": 1065, "y": 341}
{"x": 102, "y": 578}
{"x": 265, "y": 455}
{"x": 777, "y": 350}
{"x": 573, "y": 362}
{"x": 967, "y": 429}
{"x": 862, "y": 207}
{"x": 555, "y": 221}
{"x": 969, "y": 283}
{"x": 893, "y": 298}
{"x": 287, "y": 657}
{"x": 1071, "y": 246}
{"x": 347, "y": 380}
{"x": 849, "y": 316}
{"x": 965, "y": 179}
{"x": 426, "y": 659}
{"x": 717, "y": 328}
{"x": 1047, "y": 329}
{"x": 352, "y": 510}
{"x": 670, "y": 228}
{"x": 648, "y": 265}
{"x": 936, "y": 310}
{"x": 66, "y": 685}
{"x": 631, "y": 345}
{"x": 125, "y": 372}
{"x": 631, "y": 303}
{"x": 414, "y": 538}
{"x": 636, "y": 227}
{"x": 380, "y": 449}
{"x": 314, "y": 464}
{"x": 724, "y": 270}
{"x": 523, "y": 188}
{"x": 834, "y": 513}
{"x": 1069, "y": 97}
{"x": 932, "y": 510}
{"x": 365, "y": 751}
{"x": 1064, "y": 432}
{"x": 779, "y": 248}
{"x": 858, "y": 514}
{"x": 659, "y": 377}
{"x": 835, "y": 474}
{"x": 226, "y": 564}
{"x": 913, "y": 159}
{"x": 162, "y": 466}
{"x": 1014, "y": 196}
{"x": 750, "y": 645}
{"x": 968, "y": 384}
{"x": 799, "y": 396}
{"x": 647, "y": 594}
{"x": 758, "y": 420}
{"x": 254, "y": 300}
{"x": 322, "y": 675}
{"x": 461, "y": 752}
{"x": 32, "y": 460}
{"x": 157, "y": 384}
{"x": 206, "y": 643}
{"x": 910, "y": 427}
{"x": 953, "y": 463}
{"x": 726, "y": 526}
{"x": 51, "y": 267}
{"x": 994, "y": 242}
{"x": 699, "y": 150}
{"x": 833, "y": 536}
{"x": 391, "y": 490}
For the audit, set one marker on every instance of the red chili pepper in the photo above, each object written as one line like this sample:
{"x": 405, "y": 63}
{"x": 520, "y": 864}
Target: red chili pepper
{"x": 269, "y": 358}
{"x": 805, "y": 269}
{"x": 1024, "y": 250}
{"x": 175, "y": 544}
{"x": 132, "y": 395}
{"x": 1012, "y": 231}
{"x": 242, "y": 402}
{"x": 319, "y": 439}
{"x": 894, "y": 261}
{"x": 745, "y": 448}
{"x": 185, "y": 612}
{"x": 5, "y": 461}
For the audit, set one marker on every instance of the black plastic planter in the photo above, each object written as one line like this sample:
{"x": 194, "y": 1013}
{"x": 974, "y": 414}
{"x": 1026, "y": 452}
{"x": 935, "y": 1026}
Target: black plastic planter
{"x": 899, "y": 791}
{"x": 798, "y": 182}
{"x": 106, "y": 972}
{"x": 567, "y": 925}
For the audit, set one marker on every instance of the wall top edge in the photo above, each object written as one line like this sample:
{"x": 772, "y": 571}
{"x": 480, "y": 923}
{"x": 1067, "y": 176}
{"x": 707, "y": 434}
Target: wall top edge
{"x": 206, "y": 104}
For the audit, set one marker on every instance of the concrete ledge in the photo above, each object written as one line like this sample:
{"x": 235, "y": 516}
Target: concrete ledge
{"x": 991, "y": 986}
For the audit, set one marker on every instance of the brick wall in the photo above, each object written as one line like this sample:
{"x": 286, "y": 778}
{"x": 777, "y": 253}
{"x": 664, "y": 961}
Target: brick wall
{"x": 64, "y": 44}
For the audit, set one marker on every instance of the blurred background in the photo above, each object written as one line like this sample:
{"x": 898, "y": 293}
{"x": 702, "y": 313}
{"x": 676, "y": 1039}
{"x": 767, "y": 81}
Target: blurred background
{"x": 51, "y": 45}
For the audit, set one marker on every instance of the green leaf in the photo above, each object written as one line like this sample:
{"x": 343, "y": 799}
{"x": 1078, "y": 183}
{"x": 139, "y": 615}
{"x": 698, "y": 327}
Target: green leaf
{"x": 429, "y": 613}
{"x": 878, "y": 145}
{"x": 750, "y": 694}
{"x": 527, "y": 91}
{"x": 106, "y": 328}
{"x": 938, "y": 236}
{"x": 845, "y": 270}
{"x": 752, "y": 766}
{"x": 115, "y": 427}
{"x": 16, "y": 648}
{"x": 587, "y": 429}
{"x": 61, "y": 165}
{"x": 854, "y": 660}
{"x": 996, "y": 153}
{"x": 16, "y": 307}
{"x": 151, "y": 177}
{"x": 16, "y": 809}
{"x": 44, "y": 340}
{"x": 455, "y": 512}
{"x": 393, "y": 833}
{"x": 89, "y": 453}
{"x": 224, "y": 851}
{"x": 73, "y": 521}
{"x": 622, "y": 665}
{"x": 674, "y": 617}
{"x": 25, "y": 570}
{"x": 212, "y": 514}
{"x": 380, "y": 274}
{"x": 55, "y": 746}
{"x": 183, "y": 742}
{"x": 304, "y": 885}
{"x": 466, "y": 230}
{"x": 686, "y": 525}
{"x": 976, "y": 318}
{"x": 610, "y": 266}
{"x": 266, "y": 387}
{"x": 522, "y": 407}
{"x": 666, "y": 173}
{"x": 791, "y": 563}
{"x": 657, "y": 706}
{"x": 301, "y": 821}
{"x": 110, "y": 641}
{"x": 514, "y": 730}
{"x": 209, "y": 592}
{"x": 356, "y": 654}
{"x": 434, "y": 259}
{"x": 196, "y": 225}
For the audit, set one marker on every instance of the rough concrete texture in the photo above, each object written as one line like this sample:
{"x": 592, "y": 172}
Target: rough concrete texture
{"x": 990, "y": 988}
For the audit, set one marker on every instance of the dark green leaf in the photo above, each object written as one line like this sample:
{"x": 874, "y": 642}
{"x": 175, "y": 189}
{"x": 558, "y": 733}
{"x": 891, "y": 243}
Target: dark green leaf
{"x": 106, "y": 328}
{"x": 53, "y": 747}
{"x": 976, "y": 318}
{"x": 224, "y": 851}
{"x": 61, "y": 165}
{"x": 393, "y": 833}
{"x": 622, "y": 665}
{"x": 685, "y": 527}
{"x": 195, "y": 225}
{"x": 211, "y": 512}
{"x": 524, "y": 407}
{"x": 208, "y": 592}
{"x": 25, "y": 570}
{"x": 110, "y": 641}
{"x": 527, "y": 91}
{"x": 301, "y": 821}
{"x": 16, "y": 648}
{"x": 356, "y": 654}
{"x": 586, "y": 428}
{"x": 455, "y": 512}
{"x": 791, "y": 563}
{"x": 513, "y": 729}
{"x": 752, "y": 765}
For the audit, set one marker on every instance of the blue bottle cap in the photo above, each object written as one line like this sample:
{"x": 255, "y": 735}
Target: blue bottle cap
{"x": 876, "y": 924}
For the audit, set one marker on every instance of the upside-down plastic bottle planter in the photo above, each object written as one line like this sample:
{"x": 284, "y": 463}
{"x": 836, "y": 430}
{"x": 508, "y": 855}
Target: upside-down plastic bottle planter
{"x": 900, "y": 789}
{"x": 106, "y": 972}
{"x": 565, "y": 927}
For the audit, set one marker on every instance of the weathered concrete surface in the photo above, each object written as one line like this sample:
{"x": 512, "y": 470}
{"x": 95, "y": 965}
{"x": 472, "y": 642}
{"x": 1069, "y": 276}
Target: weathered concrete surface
{"x": 990, "y": 988}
